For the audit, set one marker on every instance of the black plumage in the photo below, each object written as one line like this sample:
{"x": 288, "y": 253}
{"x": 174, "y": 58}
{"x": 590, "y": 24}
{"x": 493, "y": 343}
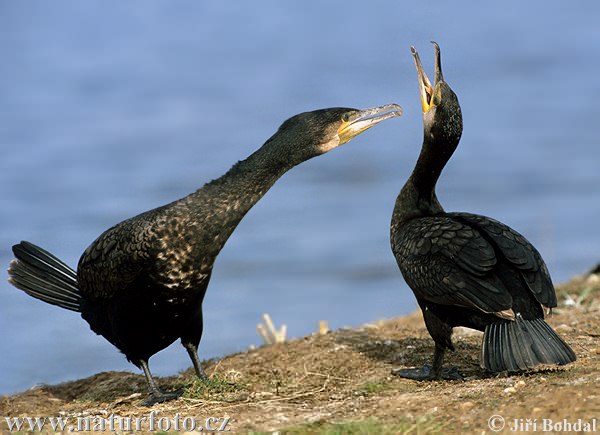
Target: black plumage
{"x": 465, "y": 269}
{"x": 141, "y": 283}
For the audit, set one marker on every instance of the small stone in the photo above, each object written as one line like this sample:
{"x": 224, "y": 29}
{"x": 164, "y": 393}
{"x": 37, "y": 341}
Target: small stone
{"x": 465, "y": 332}
{"x": 520, "y": 384}
{"x": 432, "y": 410}
{"x": 467, "y": 406}
{"x": 510, "y": 390}
{"x": 563, "y": 328}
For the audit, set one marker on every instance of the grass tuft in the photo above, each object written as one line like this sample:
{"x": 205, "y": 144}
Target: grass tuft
{"x": 215, "y": 388}
{"x": 372, "y": 387}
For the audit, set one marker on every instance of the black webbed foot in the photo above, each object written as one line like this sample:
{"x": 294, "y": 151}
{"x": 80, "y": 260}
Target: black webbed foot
{"x": 160, "y": 397}
{"x": 417, "y": 374}
{"x": 452, "y": 374}
{"x": 156, "y": 395}
{"x": 426, "y": 373}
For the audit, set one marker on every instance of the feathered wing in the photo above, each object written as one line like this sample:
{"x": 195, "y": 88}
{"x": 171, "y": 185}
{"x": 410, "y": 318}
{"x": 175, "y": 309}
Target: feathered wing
{"x": 123, "y": 249}
{"x": 519, "y": 252}
{"x": 448, "y": 262}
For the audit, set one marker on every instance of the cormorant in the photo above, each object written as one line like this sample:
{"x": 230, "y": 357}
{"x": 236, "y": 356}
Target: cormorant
{"x": 465, "y": 269}
{"x": 141, "y": 283}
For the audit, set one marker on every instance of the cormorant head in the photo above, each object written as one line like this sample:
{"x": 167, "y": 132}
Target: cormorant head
{"x": 442, "y": 118}
{"x": 310, "y": 134}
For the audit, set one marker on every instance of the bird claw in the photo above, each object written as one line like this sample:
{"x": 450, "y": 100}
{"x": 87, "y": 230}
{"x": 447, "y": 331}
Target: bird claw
{"x": 452, "y": 374}
{"x": 159, "y": 397}
{"x": 425, "y": 373}
{"x": 417, "y": 374}
{"x": 202, "y": 376}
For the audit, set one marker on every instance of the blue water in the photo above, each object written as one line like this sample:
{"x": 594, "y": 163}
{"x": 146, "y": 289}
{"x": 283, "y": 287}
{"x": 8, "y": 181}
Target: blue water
{"x": 110, "y": 108}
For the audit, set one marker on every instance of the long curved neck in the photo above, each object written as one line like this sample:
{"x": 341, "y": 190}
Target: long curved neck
{"x": 221, "y": 204}
{"x": 248, "y": 180}
{"x": 417, "y": 197}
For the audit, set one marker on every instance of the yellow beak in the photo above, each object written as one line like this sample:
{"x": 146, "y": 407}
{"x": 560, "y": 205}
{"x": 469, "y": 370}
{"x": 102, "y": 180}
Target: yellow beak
{"x": 354, "y": 123}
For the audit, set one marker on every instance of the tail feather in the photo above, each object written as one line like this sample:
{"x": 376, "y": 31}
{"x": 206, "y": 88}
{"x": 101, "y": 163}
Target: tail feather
{"x": 518, "y": 348}
{"x": 521, "y": 345}
{"x": 490, "y": 336}
{"x": 43, "y": 276}
{"x": 25, "y": 279}
{"x": 565, "y": 353}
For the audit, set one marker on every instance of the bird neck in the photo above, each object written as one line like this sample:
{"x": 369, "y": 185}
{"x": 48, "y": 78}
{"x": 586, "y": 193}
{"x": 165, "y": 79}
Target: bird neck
{"x": 417, "y": 197}
{"x": 222, "y": 203}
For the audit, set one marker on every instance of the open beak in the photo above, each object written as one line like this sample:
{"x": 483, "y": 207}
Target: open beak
{"x": 355, "y": 122}
{"x": 425, "y": 88}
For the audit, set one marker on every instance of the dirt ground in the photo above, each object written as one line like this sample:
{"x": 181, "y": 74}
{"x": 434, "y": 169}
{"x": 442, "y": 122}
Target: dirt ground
{"x": 340, "y": 382}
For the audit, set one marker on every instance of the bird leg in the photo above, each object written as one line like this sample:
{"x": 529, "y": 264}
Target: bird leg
{"x": 192, "y": 351}
{"x": 438, "y": 361}
{"x": 156, "y": 395}
{"x": 431, "y": 371}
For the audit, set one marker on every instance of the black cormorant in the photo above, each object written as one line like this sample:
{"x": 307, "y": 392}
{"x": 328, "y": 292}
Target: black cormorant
{"x": 141, "y": 283}
{"x": 465, "y": 269}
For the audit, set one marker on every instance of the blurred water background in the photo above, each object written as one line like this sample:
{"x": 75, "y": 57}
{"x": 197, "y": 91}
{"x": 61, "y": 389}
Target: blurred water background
{"x": 111, "y": 108}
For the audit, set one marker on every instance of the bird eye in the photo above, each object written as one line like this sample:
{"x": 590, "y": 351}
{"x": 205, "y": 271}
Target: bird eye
{"x": 346, "y": 117}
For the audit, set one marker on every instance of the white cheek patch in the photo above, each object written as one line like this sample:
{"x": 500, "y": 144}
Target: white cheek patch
{"x": 328, "y": 146}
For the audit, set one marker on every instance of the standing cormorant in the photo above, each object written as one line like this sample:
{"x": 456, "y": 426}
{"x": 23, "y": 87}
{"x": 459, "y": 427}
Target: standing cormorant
{"x": 141, "y": 283}
{"x": 465, "y": 269}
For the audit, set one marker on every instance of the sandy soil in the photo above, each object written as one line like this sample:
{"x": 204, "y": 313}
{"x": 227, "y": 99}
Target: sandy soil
{"x": 340, "y": 382}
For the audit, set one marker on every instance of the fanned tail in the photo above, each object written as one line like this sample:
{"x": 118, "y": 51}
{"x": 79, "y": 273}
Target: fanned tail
{"x": 521, "y": 345}
{"x": 43, "y": 276}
